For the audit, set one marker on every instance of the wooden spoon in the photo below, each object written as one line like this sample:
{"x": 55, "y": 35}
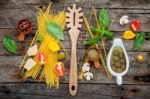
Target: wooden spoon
{"x": 93, "y": 55}
{"x": 74, "y": 19}
{"x": 25, "y": 27}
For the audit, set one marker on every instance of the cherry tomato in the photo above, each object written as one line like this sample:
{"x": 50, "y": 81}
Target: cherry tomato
{"x": 41, "y": 57}
{"x": 135, "y": 25}
{"x": 59, "y": 69}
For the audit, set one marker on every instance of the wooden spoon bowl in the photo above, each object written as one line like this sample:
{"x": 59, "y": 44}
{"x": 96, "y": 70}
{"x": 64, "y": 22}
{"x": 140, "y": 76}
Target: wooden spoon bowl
{"x": 93, "y": 55}
{"x": 25, "y": 27}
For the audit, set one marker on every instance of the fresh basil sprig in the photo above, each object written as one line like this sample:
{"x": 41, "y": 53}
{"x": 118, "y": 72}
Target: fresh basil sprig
{"x": 9, "y": 44}
{"x": 139, "y": 40}
{"x": 101, "y": 32}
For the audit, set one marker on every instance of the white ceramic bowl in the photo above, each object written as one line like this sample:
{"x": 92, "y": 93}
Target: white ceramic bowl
{"x": 117, "y": 42}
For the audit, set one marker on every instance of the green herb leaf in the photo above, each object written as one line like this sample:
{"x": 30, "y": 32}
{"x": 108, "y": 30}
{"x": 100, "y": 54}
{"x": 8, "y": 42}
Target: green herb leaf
{"x": 9, "y": 44}
{"x": 139, "y": 40}
{"x": 93, "y": 40}
{"x": 55, "y": 30}
{"x": 102, "y": 31}
{"x": 108, "y": 34}
{"x": 40, "y": 37}
{"x": 104, "y": 18}
{"x": 95, "y": 30}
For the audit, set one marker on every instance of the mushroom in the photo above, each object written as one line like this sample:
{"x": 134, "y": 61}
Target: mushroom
{"x": 86, "y": 67}
{"x": 88, "y": 75}
{"x": 124, "y": 20}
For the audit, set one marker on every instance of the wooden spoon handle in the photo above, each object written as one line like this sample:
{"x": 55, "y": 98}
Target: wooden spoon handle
{"x": 73, "y": 73}
{"x": 21, "y": 37}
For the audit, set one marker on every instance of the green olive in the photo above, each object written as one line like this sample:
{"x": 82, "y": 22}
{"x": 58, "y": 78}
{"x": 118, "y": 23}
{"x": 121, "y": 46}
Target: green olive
{"x": 123, "y": 61}
{"x": 117, "y": 64}
{"x": 119, "y": 70}
{"x": 115, "y": 52}
{"x": 61, "y": 55}
{"x": 112, "y": 62}
{"x": 121, "y": 55}
{"x": 123, "y": 67}
{"x": 115, "y": 58}
{"x": 114, "y": 68}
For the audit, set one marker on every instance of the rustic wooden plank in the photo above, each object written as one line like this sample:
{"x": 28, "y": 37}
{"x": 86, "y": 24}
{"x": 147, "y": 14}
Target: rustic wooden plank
{"x": 137, "y": 74}
{"x": 88, "y": 92}
{"x": 25, "y": 96}
{"x": 14, "y": 33}
{"x": 22, "y": 46}
{"x": 9, "y": 17}
{"x": 133, "y": 4}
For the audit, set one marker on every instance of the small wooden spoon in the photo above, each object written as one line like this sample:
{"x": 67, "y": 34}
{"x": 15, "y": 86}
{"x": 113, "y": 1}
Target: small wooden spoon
{"x": 25, "y": 27}
{"x": 74, "y": 19}
{"x": 93, "y": 55}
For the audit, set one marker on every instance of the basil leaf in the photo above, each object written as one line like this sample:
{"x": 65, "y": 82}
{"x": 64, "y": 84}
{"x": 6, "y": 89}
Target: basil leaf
{"x": 108, "y": 34}
{"x": 55, "y": 30}
{"x": 102, "y": 31}
{"x": 9, "y": 44}
{"x": 92, "y": 41}
{"x": 139, "y": 40}
{"x": 104, "y": 18}
{"x": 95, "y": 30}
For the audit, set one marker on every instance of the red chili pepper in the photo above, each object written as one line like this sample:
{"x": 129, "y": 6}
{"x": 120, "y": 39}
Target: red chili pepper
{"x": 135, "y": 25}
{"x": 41, "y": 57}
{"x": 59, "y": 69}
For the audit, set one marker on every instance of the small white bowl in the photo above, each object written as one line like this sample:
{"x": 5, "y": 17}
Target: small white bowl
{"x": 119, "y": 43}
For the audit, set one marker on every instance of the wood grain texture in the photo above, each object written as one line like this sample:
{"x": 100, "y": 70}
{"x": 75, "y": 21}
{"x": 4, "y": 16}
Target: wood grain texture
{"x": 136, "y": 84}
{"x": 90, "y": 91}
{"x": 9, "y": 17}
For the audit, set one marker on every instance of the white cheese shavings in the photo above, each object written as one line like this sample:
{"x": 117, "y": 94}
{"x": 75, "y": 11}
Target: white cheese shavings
{"x": 33, "y": 50}
{"x": 30, "y": 63}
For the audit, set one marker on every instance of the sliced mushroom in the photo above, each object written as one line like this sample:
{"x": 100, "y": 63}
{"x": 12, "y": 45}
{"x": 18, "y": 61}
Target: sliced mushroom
{"x": 88, "y": 75}
{"x": 86, "y": 67}
{"x": 124, "y": 20}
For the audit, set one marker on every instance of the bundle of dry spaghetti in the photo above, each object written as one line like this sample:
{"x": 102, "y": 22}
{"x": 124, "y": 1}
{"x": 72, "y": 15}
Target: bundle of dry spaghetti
{"x": 50, "y": 46}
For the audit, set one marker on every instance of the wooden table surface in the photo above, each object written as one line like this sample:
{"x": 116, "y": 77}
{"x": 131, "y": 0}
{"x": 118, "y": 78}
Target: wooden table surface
{"x": 136, "y": 84}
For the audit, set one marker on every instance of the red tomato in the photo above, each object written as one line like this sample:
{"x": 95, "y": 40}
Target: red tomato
{"x": 135, "y": 25}
{"x": 41, "y": 57}
{"x": 59, "y": 69}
